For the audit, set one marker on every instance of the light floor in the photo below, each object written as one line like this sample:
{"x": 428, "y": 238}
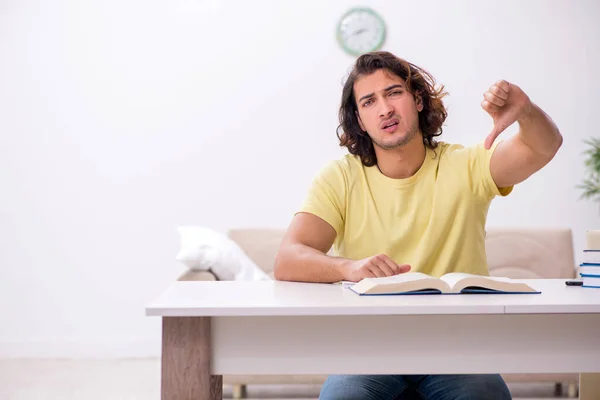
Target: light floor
{"x": 139, "y": 379}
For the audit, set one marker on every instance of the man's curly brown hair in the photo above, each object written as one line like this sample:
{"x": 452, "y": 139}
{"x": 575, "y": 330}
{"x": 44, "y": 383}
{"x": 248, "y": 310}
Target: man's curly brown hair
{"x": 418, "y": 82}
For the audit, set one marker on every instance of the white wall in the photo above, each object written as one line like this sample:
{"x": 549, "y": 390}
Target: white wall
{"x": 120, "y": 120}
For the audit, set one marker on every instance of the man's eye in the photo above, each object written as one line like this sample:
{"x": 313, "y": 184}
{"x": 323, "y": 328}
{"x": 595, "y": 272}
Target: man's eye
{"x": 396, "y": 92}
{"x": 367, "y": 103}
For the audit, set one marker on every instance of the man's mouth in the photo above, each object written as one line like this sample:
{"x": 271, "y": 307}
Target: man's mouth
{"x": 390, "y": 125}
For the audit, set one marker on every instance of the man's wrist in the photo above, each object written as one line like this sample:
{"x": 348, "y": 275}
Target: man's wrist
{"x": 529, "y": 113}
{"x": 342, "y": 267}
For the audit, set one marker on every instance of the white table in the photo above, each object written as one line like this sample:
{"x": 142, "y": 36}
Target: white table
{"x": 215, "y": 328}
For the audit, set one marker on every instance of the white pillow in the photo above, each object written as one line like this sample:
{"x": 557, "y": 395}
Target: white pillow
{"x": 205, "y": 249}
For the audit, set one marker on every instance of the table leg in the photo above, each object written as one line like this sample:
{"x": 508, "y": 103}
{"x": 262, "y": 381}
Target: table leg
{"x": 589, "y": 386}
{"x": 186, "y": 353}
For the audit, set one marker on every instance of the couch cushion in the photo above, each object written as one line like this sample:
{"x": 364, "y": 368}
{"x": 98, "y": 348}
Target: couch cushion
{"x": 525, "y": 253}
{"x": 511, "y": 252}
{"x": 261, "y": 245}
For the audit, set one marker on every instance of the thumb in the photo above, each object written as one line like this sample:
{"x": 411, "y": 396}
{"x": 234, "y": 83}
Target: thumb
{"x": 489, "y": 140}
{"x": 499, "y": 127}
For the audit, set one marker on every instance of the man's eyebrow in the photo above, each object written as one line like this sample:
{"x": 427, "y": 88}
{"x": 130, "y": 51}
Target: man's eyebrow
{"x": 387, "y": 89}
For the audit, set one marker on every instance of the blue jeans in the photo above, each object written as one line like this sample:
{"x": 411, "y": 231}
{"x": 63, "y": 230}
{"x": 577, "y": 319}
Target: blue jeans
{"x": 413, "y": 387}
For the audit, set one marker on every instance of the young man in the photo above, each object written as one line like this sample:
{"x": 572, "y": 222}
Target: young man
{"x": 403, "y": 201}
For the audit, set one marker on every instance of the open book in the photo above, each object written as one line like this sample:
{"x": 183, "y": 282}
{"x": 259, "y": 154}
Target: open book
{"x": 455, "y": 282}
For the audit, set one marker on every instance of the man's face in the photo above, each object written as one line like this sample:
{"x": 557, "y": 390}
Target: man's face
{"x": 386, "y": 110}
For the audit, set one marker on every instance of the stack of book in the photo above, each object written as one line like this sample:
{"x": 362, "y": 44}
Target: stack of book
{"x": 589, "y": 269}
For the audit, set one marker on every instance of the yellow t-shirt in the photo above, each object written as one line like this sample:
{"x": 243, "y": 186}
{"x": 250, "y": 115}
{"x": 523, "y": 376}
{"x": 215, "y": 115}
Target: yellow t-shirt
{"x": 433, "y": 220}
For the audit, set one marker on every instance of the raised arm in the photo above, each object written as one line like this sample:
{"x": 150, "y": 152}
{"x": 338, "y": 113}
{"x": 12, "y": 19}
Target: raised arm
{"x": 536, "y": 143}
{"x": 303, "y": 256}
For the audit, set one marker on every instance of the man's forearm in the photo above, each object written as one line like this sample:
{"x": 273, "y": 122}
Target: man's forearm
{"x": 538, "y": 132}
{"x": 297, "y": 262}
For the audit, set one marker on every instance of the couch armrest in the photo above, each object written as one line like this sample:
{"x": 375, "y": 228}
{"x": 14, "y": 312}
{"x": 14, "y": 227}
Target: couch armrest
{"x": 191, "y": 275}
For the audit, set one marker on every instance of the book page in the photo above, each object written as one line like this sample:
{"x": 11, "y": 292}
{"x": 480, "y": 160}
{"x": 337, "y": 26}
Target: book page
{"x": 406, "y": 277}
{"x": 453, "y": 277}
{"x": 410, "y": 282}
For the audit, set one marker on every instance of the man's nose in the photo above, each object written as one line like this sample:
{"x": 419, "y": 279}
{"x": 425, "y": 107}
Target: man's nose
{"x": 386, "y": 109}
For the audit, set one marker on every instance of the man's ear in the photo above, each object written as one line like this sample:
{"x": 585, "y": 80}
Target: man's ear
{"x": 359, "y": 121}
{"x": 419, "y": 101}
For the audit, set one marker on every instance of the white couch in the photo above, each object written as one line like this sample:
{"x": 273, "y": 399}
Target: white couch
{"x": 513, "y": 253}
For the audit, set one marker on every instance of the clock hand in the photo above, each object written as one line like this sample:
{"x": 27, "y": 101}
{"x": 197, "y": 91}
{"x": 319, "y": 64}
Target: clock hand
{"x": 358, "y": 32}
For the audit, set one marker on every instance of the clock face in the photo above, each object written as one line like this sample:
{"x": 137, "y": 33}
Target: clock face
{"x": 361, "y": 30}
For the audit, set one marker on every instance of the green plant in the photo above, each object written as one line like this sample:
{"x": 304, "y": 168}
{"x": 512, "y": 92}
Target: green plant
{"x": 591, "y": 184}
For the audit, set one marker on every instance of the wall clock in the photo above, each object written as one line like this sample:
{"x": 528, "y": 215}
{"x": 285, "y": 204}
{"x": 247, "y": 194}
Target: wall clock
{"x": 361, "y": 30}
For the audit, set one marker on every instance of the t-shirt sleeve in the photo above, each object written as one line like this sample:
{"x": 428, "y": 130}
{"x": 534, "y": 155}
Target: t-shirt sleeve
{"x": 482, "y": 183}
{"x": 326, "y": 196}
